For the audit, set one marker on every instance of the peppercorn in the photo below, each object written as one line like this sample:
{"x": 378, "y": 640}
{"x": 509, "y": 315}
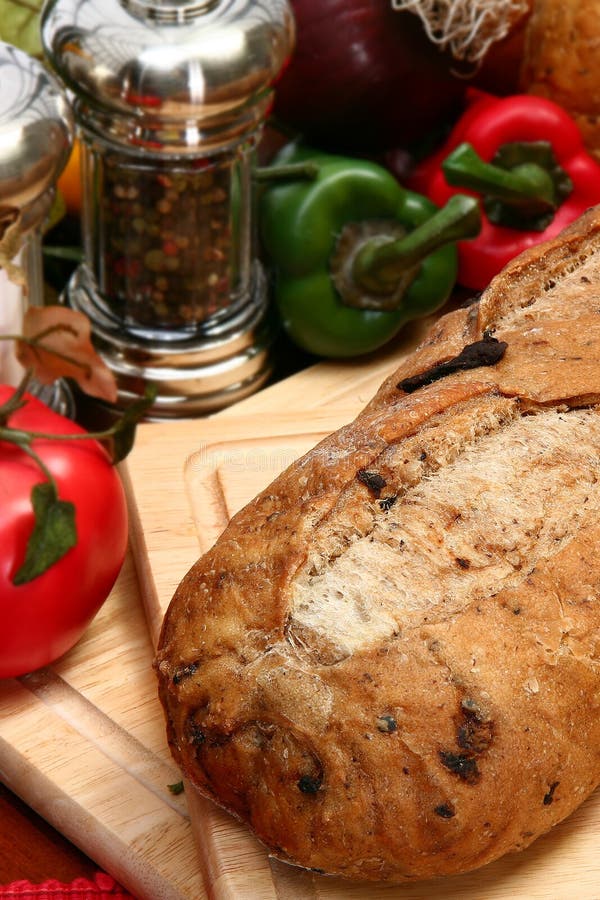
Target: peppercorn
{"x": 168, "y": 259}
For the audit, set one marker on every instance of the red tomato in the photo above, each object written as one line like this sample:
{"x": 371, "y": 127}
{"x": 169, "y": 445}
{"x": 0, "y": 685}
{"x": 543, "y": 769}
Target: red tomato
{"x": 42, "y": 619}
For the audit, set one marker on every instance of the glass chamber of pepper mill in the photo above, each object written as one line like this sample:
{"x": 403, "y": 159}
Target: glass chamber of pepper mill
{"x": 36, "y": 133}
{"x": 170, "y": 99}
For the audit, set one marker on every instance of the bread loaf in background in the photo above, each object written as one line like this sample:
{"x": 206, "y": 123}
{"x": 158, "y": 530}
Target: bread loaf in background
{"x": 560, "y": 61}
{"x": 388, "y": 664}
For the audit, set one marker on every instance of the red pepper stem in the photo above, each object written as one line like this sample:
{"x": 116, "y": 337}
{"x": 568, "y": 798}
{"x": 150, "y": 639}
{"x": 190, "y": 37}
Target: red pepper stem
{"x": 381, "y": 262}
{"x": 527, "y": 185}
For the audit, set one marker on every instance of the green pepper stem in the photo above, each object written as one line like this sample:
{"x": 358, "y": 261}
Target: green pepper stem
{"x": 527, "y": 185}
{"x": 379, "y": 265}
{"x": 308, "y": 170}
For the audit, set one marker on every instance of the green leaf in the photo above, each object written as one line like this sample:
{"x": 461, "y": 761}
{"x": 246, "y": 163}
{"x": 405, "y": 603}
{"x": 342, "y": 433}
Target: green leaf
{"x": 176, "y": 788}
{"x": 20, "y": 25}
{"x": 123, "y": 435}
{"x": 53, "y": 534}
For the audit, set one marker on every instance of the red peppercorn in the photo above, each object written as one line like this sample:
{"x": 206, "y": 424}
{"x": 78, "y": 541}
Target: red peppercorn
{"x": 170, "y": 248}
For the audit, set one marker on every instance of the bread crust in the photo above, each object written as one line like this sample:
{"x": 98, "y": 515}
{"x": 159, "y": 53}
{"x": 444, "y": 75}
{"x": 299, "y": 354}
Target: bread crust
{"x": 388, "y": 664}
{"x": 559, "y": 61}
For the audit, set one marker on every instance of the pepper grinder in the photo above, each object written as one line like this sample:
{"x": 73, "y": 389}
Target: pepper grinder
{"x": 36, "y": 131}
{"x": 170, "y": 98}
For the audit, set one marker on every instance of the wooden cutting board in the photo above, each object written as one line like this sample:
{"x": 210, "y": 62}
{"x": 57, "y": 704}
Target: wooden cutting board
{"x": 82, "y": 742}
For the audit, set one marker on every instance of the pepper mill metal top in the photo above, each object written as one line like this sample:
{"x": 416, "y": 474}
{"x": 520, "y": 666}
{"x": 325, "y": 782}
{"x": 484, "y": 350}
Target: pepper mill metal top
{"x": 35, "y": 136}
{"x": 169, "y": 75}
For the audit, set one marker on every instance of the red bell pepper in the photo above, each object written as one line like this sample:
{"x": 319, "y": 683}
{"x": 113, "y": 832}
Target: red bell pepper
{"x": 524, "y": 157}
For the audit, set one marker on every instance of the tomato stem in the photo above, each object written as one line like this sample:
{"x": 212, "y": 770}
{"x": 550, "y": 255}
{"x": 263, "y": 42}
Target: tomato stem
{"x": 71, "y": 253}
{"x": 26, "y": 447}
{"x": 17, "y": 400}
{"x": 18, "y": 437}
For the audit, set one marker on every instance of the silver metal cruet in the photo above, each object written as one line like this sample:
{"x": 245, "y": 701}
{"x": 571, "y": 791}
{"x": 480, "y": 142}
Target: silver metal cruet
{"x": 36, "y": 133}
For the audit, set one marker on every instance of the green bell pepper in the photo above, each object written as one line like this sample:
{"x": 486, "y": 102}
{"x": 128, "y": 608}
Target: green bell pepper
{"x": 354, "y": 255}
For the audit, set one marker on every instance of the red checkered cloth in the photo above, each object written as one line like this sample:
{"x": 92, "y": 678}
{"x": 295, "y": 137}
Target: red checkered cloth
{"x": 103, "y": 887}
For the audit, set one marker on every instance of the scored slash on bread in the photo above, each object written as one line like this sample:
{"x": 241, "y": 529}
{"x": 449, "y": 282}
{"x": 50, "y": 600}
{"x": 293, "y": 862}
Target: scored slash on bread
{"x": 388, "y": 664}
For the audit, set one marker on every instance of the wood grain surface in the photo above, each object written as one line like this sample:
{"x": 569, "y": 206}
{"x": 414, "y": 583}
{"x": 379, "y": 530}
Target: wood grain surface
{"x": 82, "y": 743}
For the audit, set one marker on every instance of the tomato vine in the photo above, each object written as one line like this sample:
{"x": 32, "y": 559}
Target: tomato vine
{"x": 54, "y": 532}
